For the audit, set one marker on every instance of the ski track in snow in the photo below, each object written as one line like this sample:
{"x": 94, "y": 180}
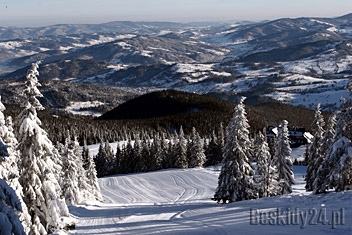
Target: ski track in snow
{"x": 177, "y": 201}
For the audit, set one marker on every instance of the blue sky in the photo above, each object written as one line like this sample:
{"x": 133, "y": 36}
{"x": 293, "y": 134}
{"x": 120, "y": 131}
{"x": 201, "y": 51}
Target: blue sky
{"x": 46, "y": 12}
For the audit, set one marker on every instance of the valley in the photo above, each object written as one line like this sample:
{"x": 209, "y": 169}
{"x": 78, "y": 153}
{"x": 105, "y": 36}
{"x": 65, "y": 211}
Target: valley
{"x": 302, "y": 62}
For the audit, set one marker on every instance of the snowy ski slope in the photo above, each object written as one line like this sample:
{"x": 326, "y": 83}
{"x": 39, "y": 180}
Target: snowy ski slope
{"x": 177, "y": 201}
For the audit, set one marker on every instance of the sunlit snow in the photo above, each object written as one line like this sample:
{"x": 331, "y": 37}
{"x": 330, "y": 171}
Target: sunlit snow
{"x": 75, "y": 108}
{"x": 177, "y": 201}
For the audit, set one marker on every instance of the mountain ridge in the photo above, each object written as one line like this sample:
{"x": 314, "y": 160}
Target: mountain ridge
{"x": 302, "y": 61}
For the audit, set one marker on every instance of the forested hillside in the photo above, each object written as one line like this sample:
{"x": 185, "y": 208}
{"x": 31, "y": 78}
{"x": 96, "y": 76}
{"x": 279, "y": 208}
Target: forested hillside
{"x": 172, "y": 110}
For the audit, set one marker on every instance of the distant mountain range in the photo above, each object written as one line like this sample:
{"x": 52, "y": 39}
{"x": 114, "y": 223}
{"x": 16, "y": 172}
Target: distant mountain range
{"x": 301, "y": 61}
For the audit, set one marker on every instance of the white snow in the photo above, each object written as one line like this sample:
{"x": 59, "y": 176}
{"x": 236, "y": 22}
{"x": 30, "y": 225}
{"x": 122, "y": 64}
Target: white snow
{"x": 124, "y": 45}
{"x": 177, "y": 201}
{"x": 75, "y": 107}
{"x": 191, "y": 68}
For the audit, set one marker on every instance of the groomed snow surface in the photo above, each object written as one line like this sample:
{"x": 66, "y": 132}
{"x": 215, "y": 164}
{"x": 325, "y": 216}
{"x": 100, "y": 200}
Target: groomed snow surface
{"x": 177, "y": 201}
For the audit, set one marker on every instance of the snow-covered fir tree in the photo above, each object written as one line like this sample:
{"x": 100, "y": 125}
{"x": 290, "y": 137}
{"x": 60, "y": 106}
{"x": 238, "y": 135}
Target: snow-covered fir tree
{"x": 156, "y": 152}
{"x": 197, "y": 157}
{"x": 41, "y": 189}
{"x": 105, "y": 160}
{"x": 9, "y": 205}
{"x": 181, "y": 151}
{"x": 212, "y": 151}
{"x": 75, "y": 184}
{"x": 93, "y": 179}
{"x": 164, "y": 152}
{"x": 266, "y": 176}
{"x": 337, "y": 162}
{"x": 282, "y": 160}
{"x": 170, "y": 163}
{"x": 140, "y": 153}
{"x": 129, "y": 162}
{"x": 236, "y": 177}
{"x": 85, "y": 155}
{"x": 9, "y": 166}
{"x": 110, "y": 158}
{"x": 319, "y": 185}
{"x": 338, "y": 157}
{"x": 314, "y": 150}
{"x": 328, "y": 134}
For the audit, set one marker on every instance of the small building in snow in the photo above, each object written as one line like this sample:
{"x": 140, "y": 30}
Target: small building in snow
{"x": 298, "y": 136}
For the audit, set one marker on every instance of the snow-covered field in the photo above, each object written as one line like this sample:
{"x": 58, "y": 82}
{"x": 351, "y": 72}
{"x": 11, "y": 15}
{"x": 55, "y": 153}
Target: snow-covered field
{"x": 177, "y": 201}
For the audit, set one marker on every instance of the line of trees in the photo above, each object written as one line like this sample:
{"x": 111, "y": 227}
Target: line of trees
{"x": 37, "y": 179}
{"x": 142, "y": 153}
{"x": 329, "y": 156}
{"x": 239, "y": 179}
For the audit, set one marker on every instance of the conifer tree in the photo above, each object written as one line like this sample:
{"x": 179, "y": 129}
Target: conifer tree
{"x": 319, "y": 185}
{"x": 213, "y": 151}
{"x": 164, "y": 151}
{"x": 85, "y": 155}
{"x": 172, "y": 156}
{"x": 129, "y": 160}
{"x": 9, "y": 205}
{"x": 314, "y": 150}
{"x": 110, "y": 158}
{"x": 181, "y": 151}
{"x": 100, "y": 160}
{"x": 9, "y": 170}
{"x": 236, "y": 177}
{"x": 140, "y": 154}
{"x": 148, "y": 155}
{"x": 265, "y": 174}
{"x": 93, "y": 179}
{"x": 157, "y": 153}
{"x": 338, "y": 157}
{"x": 119, "y": 156}
{"x": 328, "y": 134}
{"x": 339, "y": 161}
{"x": 70, "y": 190}
{"x": 197, "y": 156}
{"x": 282, "y": 160}
{"x": 221, "y": 137}
{"x": 75, "y": 187}
{"x": 41, "y": 189}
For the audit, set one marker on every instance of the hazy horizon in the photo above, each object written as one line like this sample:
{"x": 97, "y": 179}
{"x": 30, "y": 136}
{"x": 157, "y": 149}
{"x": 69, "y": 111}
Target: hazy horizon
{"x": 34, "y": 13}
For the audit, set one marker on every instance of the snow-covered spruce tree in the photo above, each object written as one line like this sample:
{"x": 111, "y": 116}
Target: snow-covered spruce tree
{"x": 110, "y": 158}
{"x": 221, "y": 136}
{"x": 282, "y": 160}
{"x": 156, "y": 152}
{"x": 164, "y": 151}
{"x": 85, "y": 155}
{"x": 236, "y": 177}
{"x": 9, "y": 166}
{"x": 119, "y": 155}
{"x": 319, "y": 185}
{"x": 75, "y": 184}
{"x": 9, "y": 205}
{"x": 314, "y": 150}
{"x": 210, "y": 151}
{"x": 93, "y": 179}
{"x": 328, "y": 134}
{"x": 41, "y": 189}
{"x": 197, "y": 157}
{"x": 338, "y": 161}
{"x": 265, "y": 174}
{"x": 129, "y": 163}
{"x": 105, "y": 160}
{"x": 181, "y": 151}
{"x": 172, "y": 153}
{"x": 140, "y": 153}
{"x": 338, "y": 157}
